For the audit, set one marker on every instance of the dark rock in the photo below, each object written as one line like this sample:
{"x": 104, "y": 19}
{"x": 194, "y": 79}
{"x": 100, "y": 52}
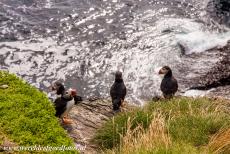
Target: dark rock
{"x": 87, "y": 117}
{"x": 220, "y": 11}
{"x": 219, "y": 75}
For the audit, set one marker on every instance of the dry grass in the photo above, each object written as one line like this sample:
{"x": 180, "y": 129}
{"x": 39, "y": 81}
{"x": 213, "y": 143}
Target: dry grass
{"x": 177, "y": 126}
{"x": 138, "y": 139}
{"x": 220, "y": 143}
{"x": 5, "y": 142}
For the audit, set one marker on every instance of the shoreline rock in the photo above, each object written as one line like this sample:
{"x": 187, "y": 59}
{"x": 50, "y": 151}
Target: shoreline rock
{"x": 86, "y": 118}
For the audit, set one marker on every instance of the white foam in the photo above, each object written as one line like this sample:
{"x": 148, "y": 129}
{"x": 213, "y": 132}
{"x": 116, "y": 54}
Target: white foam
{"x": 199, "y": 41}
{"x": 196, "y": 93}
{"x": 139, "y": 57}
{"x": 48, "y": 4}
{"x": 91, "y": 26}
{"x": 109, "y": 21}
{"x": 5, "y": 50}
{"x": 192, "y": 35}
{"x": 101, "y": 30}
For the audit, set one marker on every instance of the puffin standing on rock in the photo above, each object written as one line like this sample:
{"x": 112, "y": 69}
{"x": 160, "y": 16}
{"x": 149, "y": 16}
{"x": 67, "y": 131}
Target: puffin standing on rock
{"x": 65, "y": 102}
{"x": 169, "y": 85}
{"x": 118, "y": 91}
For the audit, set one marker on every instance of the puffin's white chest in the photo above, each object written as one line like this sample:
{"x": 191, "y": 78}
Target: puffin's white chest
{"x": 69, "y": 106}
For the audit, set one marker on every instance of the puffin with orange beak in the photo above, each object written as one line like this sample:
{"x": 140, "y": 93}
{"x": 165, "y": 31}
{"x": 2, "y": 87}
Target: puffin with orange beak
{"x": 169, "y": 85}
{"x": 65, "y": 102}
{"x": 118, "y": 92}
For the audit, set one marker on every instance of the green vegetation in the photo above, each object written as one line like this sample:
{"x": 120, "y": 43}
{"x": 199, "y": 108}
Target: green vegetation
{"x": 179, "y": 125}
{"x": 109, "y": 135}
{"x": 27, "y": 116}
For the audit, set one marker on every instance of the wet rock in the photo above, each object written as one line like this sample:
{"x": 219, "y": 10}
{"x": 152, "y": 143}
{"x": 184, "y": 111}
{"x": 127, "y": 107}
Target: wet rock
{"x": 220, "y": 11}
{"x": 65, "y": 53}
{"x": 86, "y": 118}
{"x": 182, "y": 48}
{"x": 168, "y": 30}
{"x": 3, "y": 18}
{"x": 219, "y": 75}
{"x": 222, "y": 91}
{"x": 9, "y": 37}
{"x": 99, "y": 43}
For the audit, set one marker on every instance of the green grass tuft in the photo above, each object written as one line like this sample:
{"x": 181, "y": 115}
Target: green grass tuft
{"x": 190, "y": 123}
{"x": 109, "y": 135}
{"x": 27, "y": 115}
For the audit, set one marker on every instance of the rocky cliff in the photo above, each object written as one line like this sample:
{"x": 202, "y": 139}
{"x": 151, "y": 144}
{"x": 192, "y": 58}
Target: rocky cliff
{"x": 86, "y": 118}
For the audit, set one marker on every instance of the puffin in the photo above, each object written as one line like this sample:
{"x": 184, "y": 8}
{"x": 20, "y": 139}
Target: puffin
{"x": 169, "y": 85}
{"x": 65, "y": 102}
{"x": 118, "y": 91}
{"x": 58, "y": 87}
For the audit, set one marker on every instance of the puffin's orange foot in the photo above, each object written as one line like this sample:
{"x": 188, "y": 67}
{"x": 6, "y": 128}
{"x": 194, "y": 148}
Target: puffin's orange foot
{"x": 66, "y": 121}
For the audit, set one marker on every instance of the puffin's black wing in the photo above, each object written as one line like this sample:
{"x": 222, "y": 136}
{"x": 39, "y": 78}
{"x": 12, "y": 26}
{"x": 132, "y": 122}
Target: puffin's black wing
{"x": 118, "y": 90}
{"x": 169, "y": 86}
{"x": 77, "y": 99}
{"x": 60, "y": 106}
{"x": 123, "y": 91}
{"x": 113, "y": 91}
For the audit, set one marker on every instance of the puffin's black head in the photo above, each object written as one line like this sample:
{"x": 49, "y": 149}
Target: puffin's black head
{"x": 166, "y": 71}
{"x": 118, "y": 75}
{"x": 58, "y": 87}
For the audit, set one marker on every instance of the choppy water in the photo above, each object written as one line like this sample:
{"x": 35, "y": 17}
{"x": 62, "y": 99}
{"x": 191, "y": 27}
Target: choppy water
{"x": 83, "y": 42}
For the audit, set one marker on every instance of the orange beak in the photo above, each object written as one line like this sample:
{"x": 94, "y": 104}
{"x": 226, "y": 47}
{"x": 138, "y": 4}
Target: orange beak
{"x": 161, "y": 72}
{"x": 73, "y": 92}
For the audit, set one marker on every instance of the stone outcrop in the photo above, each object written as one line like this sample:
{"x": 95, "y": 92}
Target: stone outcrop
{"x": 219, "y": 10}
{"x": 86, "y": 118}
{"x": 219, "y": 75}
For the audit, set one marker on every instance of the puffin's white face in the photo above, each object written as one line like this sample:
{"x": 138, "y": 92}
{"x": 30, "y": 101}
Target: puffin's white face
{"x": 163, "y": 71}
{"x": 69, "y": 91}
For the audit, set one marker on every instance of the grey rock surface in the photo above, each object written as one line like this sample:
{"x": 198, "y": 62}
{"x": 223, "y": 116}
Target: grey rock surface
{"x": 86, "y": 118}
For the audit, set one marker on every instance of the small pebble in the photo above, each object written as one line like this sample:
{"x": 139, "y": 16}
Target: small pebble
{"x": 4, "y": 86}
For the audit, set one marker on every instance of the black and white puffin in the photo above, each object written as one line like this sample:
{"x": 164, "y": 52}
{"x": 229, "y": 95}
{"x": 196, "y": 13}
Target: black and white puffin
{"x": 118, "y": 91}
{"x": 169, "y": 85}
{"x": 65, "y": 102}
{"x": 58, "y": 87}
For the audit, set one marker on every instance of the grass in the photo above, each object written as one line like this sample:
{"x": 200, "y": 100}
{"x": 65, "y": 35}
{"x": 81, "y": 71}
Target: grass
{"x": 180, "y": 125}
{"x": 220, "y": 142}
{"x": 109, "y": 135}
{"x": 28, "y": 117}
